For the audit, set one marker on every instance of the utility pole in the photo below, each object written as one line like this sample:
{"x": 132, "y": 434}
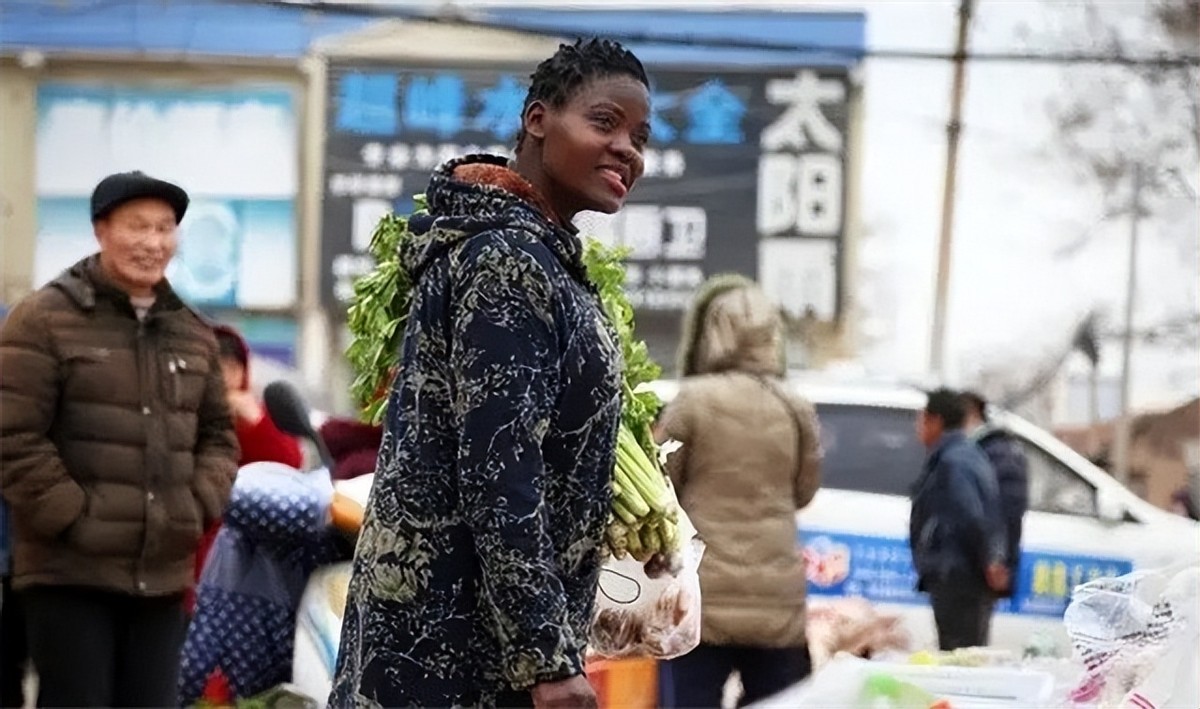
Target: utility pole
{"x": 1123, "y": 439}
{"x": 937, "y": 345}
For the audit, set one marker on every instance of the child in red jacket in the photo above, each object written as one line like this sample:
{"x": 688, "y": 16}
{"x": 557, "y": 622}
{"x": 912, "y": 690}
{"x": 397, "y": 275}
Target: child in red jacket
{"x": 257, "y": 434}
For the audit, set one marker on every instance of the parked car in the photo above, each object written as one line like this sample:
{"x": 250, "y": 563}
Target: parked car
{"x": 1081, "y": 524}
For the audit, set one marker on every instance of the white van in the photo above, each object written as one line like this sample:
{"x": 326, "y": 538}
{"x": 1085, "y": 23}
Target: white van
{"x": 1081, "y": 523}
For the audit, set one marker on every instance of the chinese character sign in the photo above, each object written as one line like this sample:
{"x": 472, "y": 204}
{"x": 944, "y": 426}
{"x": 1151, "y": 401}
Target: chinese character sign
{"x": 388, "y": 128}
{"x": 880, "y": 569}
{"x": 735, "y": 158}
{"x": 801, "y": 191}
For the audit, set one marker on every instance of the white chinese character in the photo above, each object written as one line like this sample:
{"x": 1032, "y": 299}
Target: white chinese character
{"x": 642, "y": 231}
{"x": 425, "y": 156}
{"x": 673, "y": 163}
{"x": 393, "y": 186}
{"x": 371, "y": 185}
{"x": 803, "y": 96}
{"x": 801, "y": 275}
{"x": 695, "y": 277}
{"x": 448, "y": 151}
{"x": 799, "y": 193}
{"x": 656, "y": 276}
{"x": 373, "y": 155}
{"x": 776, "y": 194}
{"x": 677, "y": 277}
{"x": 689, "y": 233}
{"x": 819, "y": 187}
{"x": 399, "y": 156}
{"x": 337, "y": 185}
{"x": 651, "y": 163}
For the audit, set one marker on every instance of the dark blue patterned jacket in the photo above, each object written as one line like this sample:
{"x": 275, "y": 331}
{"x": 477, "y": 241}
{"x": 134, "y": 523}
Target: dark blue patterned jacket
{"x": 476, "y": 568}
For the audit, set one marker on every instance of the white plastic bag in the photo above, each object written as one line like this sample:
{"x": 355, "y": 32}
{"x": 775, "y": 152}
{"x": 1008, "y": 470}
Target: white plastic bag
{"x": 640, "y": 616}
{"x": 319, "y": 630}
{"x": 1138, "y": 637}
{"x": 642, "y": 611}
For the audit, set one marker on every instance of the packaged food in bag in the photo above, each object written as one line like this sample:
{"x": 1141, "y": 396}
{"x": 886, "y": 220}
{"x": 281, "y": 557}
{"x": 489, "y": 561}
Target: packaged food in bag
{"x": 649, "y": 609}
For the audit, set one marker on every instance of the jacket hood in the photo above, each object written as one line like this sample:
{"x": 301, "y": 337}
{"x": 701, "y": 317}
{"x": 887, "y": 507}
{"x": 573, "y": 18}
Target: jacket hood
{"x": 85, "y": 283}
{"x": 732, "y": 326}
{"x": 225, "y": 331}
{"x": 478, "y": 193}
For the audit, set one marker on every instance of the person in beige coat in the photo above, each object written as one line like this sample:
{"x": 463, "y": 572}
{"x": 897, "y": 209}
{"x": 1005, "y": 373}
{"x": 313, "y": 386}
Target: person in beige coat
{"x": 750, "y": 459}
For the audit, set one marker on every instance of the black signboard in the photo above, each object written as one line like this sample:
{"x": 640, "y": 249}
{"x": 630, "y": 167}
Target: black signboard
{"x": 745, "y": 174}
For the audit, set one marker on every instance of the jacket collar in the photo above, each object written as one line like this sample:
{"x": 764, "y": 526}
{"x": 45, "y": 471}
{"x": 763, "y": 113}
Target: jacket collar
{"x": 947, "y": 440}
{"x": 86, "y": 284}
{"x": 472, "y": 194}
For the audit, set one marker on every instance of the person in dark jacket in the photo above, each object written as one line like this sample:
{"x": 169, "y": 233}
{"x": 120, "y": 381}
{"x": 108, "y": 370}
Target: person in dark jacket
{"x": 476, "y": 571}
{"x": 1012, "y": 475}
{"x": 116, "y": 450}
{"x": 955, "y": 529}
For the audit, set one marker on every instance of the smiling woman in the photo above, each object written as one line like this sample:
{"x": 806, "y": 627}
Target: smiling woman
{"x": 476, "y": 571}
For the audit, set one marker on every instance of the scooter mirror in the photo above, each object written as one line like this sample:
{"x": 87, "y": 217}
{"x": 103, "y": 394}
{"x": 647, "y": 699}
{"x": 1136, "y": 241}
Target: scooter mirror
{"x": 290, "y": 413}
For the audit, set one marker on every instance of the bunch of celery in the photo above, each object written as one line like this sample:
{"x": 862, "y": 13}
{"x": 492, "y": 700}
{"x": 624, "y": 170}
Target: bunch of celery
{"x": 644, "y": 516}
{"x": 645, "y": 521}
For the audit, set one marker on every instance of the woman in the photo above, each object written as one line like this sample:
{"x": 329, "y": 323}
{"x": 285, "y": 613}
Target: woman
{"x": 476, "y": 570}
{"x": 750, "y": 459}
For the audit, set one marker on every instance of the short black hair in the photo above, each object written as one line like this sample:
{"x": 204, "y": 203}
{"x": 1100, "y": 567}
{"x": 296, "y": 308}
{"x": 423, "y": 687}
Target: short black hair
{"x": 557, "y": 79}
{"x": 974, "y": 401}
{"x": 947, "y": 405}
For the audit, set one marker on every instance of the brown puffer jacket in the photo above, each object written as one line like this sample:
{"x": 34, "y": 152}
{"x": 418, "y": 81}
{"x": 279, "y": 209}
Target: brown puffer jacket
{"x": 750, "y": 459}
{"x": 116, "y": 444}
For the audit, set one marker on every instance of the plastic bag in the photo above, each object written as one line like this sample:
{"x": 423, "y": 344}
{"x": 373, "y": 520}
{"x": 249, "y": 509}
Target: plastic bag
{"x": 642, "y": 611}
{"x": 1138, "y": 637}
{"x": 319, "y": 630}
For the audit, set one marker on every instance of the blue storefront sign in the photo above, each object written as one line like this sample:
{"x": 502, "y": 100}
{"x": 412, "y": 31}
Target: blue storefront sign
{"x": 880, "y": 569}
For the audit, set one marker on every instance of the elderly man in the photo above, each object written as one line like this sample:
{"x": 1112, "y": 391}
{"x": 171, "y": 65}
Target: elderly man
{"x": 116, "y": 450}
